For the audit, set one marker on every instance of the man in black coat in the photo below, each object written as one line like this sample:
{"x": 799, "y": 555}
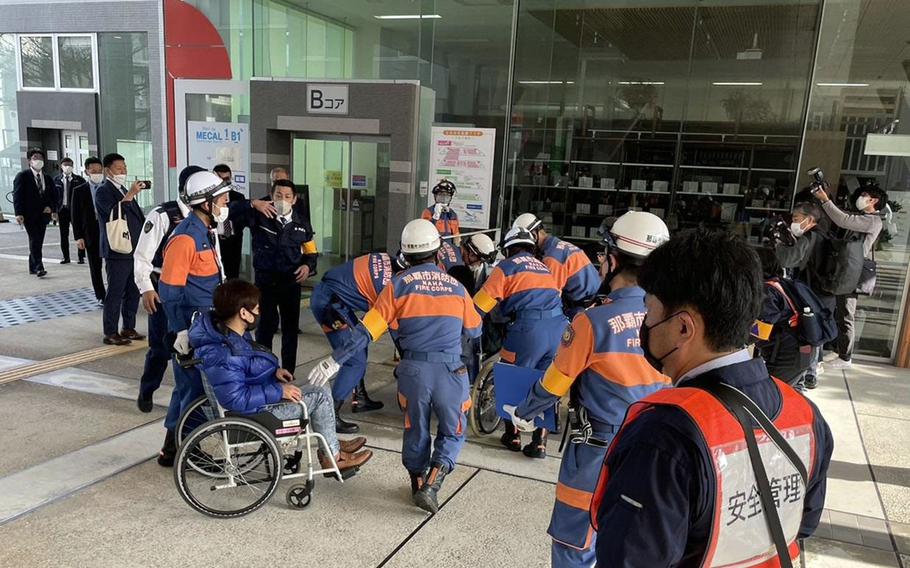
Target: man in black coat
{"x": 85, "y": 222}
{"x": 64, "y": 184}
{"x": 34, "y": 201}
{"x": 230, "y": 233}
{"x": 122, "y": 297}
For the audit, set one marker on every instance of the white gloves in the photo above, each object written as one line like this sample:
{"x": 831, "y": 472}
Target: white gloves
{"x": 323, "y": 371}
{"x": 520, "y": 423}
{"x": 182, "y": 342}
{"x": 438, "y": 210}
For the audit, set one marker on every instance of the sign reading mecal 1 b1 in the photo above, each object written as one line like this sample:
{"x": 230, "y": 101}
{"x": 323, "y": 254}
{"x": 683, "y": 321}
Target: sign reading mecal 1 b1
{"x": 327, "y": 99}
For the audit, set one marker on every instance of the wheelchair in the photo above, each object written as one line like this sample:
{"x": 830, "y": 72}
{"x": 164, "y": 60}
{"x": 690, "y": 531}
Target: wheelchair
{"x": 483, "y": 418}
{"x": 228, "y": 465}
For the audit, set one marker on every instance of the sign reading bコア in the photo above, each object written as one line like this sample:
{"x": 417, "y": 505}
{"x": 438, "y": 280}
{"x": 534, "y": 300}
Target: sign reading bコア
{"x": 213, "y": 143}
{"x": 327, "y": 99}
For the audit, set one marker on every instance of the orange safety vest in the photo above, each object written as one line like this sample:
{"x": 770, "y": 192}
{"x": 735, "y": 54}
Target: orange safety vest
{"x": 739, "y": 534}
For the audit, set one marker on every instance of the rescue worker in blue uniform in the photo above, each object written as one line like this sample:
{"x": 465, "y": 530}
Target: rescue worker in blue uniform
{"x": 602, "y": 369}
{"x": 575, "y": 275}
{"x": 677, "y": 487}
{"x": 148, "y": 259}
{"x": 344, "y": 291}
{"x": 450, "y": 255}
{"x": 189, "y": 275}
{"x": 526, "y": 293}
{"x": 284, "y": 256}
{"x": 441, "y": 213}
{"x": 429, "y": 312}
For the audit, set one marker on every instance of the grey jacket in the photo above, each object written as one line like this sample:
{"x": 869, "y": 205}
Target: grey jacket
{"x": 868, "y": 223}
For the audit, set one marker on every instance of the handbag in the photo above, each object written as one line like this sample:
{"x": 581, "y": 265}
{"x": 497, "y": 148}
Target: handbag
{"x": 118, "y": 232}
{"x": 867, "y": 277}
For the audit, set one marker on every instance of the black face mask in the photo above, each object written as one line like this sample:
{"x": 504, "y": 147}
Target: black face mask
{"x": 644, "y": 335}
{"x": 252, "y": 326}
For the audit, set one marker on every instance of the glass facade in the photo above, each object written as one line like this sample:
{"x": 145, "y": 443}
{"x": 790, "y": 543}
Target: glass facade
{"x": 37, "y": 56}
{"x": 76, "y": 63}
{"x": 10, "y": 155}
{"x": 124, "y": 115}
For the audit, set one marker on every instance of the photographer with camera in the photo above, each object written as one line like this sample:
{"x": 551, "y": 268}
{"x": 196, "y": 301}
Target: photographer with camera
{"x": 850, "y": 258}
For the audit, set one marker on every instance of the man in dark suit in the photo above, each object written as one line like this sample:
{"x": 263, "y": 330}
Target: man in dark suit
{"x": 64, "y": 184}
{"x": 122, "y": 297}
{"x": 230, "y": 234}
{"x": 85, "y": 223}
{"x": 34, "y": 201}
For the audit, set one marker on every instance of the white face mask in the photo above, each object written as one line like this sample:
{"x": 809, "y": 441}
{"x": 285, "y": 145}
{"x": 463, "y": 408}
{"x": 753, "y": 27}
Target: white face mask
{"x": 96, "y": 178}
{"x": 67, "y": 169}
{"x": 119, "y": 179}
{"x": 222, "y": 215}
{"x": 37, "y": 165}
{"x": 796, "y": 229}
{"x": 283, "y": 207}
{"x": 862, "y": 202}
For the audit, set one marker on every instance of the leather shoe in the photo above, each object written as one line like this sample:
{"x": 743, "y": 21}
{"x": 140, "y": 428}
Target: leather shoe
{"x": 41, "y": 273}
{"x": 131, "y": 334}
{"x": 116, "y": 339}
{"x": 346, "y": 460}
{"x": 145, "y": 403}
{"x": 65, "y": 261}
{"x": 80, "y": 261}
{"x": 352, "y": 445}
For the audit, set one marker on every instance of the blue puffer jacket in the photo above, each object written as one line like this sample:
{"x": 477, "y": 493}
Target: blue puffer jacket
{"x": 241, "y": 373}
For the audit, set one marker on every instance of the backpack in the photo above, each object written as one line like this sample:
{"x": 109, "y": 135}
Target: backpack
{"x": 840, "y": 263}
{"x": 815, "y": 324}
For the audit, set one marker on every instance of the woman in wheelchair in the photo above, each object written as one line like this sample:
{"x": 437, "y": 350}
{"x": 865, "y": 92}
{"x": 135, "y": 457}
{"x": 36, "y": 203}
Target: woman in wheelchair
{"x": 246, "y": 378}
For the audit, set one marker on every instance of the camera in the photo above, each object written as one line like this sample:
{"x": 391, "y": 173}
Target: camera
{"x": 778, "y": 232}
{"x": 818, "y": 180}
{"x": 145, "y": 184}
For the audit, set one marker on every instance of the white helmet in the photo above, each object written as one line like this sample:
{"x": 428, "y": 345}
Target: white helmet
{"x": 528, "y": 221}
{"x": 419, "y": 236}
{"x": 637, "y": 233}
{"x": 204, "y": 186}
{"x": 482, "y": 246}
{"x": 518, "y": 236}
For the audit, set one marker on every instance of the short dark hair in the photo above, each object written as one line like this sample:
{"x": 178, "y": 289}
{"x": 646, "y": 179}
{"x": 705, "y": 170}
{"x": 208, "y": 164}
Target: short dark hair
{"x": 109, "y": 159}
{"x": 519, "y": 248}
{"x": 873, "y": 190}
{"x": 712, "y": 272}
{"x": 229, "y": 297}
{"x": 92, "y": 160}
{"x": 808, "y": 209}
{"x": 66, "y": 160}
{"x": 770, "y": 265}
{"x": 222, "y": 169}
{"x": 32, "y": 151}
{"x": 284, "y": 183}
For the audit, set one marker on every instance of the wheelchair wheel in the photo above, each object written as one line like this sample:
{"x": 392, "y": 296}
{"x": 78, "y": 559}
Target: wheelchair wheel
{"x": 483, "y": 417}
{"x": 198, "y": 413}
{"x": 228, "y": 468}
{"x": 300, "y": 495}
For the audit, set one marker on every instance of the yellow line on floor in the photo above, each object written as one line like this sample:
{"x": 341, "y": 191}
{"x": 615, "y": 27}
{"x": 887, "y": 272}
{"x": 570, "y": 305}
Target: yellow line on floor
{"x": 69, "y": 360}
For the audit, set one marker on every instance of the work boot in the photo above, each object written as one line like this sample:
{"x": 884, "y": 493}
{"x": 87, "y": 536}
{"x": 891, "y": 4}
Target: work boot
{"x": 538, "y": 446}
{"x": 511, "y": 438}
{"x": 168, "y": 450}
{"x": 351, "y": 446}
{"x": 427, "y": 496}
{"x": 346, "y": 461}
{"x": 343, "y": 426}
{"x": 416, "y": 481}
{"x": 811, "y": 381}
{"x": 361, "y": 401}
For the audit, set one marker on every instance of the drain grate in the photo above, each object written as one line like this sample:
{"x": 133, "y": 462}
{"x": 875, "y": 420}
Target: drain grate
{"x": 18, "y": 311}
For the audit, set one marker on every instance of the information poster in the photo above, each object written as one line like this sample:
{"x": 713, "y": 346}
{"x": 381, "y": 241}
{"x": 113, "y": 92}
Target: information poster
{"x": 464, "y": 156}
{"x": 213, "y": 143}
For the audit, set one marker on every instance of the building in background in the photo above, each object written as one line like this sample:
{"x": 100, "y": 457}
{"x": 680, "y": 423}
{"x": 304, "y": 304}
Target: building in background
{"x": 707, "y": 114}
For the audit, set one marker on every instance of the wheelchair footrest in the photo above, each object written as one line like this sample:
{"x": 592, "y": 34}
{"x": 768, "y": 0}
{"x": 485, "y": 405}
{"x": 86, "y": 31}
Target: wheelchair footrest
{"x": 345, "y": 474}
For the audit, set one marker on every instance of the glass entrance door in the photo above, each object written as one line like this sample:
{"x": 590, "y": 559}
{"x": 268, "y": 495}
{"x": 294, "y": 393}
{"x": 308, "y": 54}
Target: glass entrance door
{"x": 346, "y": 180}
{"x": 75, "y": 147}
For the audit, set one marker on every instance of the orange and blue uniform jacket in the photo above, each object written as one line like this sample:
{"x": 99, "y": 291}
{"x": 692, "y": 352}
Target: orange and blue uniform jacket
{"x": 357, "y": 283}
{"x": 425, "y": 308}
{"x": 600, "y": 360}
{"x": 578, "y": 279}
{"x": 190, "y": 273}
{"x": 447, "y": 224}
{"x": 527, "y": 294}
{"x": 449, "y": 256}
